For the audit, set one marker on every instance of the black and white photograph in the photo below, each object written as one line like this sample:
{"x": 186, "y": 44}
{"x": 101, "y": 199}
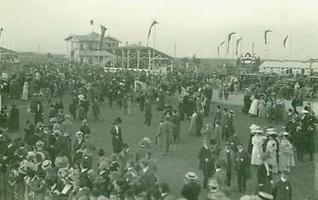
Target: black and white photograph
{"x": 158, "y": 99}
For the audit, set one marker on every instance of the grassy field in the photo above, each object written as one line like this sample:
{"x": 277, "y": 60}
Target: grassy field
{"x": 183, "y": 156}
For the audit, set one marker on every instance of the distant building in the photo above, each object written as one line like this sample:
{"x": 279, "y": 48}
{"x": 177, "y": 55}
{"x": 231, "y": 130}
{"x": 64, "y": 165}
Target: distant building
{"x": 86, "y": 49}
{"x": 289, "y": 67}
{"x": 8, "y": 55}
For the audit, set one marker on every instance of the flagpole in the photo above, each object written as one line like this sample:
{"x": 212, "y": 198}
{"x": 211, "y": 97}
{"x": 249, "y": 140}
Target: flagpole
{"x": 154, "y": 35}
{"x": 1, "y": 42}
{"x": 253, "y": 46}
{"x": 290, "y": 45}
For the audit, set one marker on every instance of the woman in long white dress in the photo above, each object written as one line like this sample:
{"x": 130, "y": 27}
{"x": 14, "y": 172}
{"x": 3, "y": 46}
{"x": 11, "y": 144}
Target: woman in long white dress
{"x": 193, "y": 124}
{"x": 25, "y": 91}
{"x": 286, "y": 154}
{"x": 254, "y": 106}
{"x": 257, "y": 150}
{"x": 271, "y": 148}
{"x": 261, "y": 108}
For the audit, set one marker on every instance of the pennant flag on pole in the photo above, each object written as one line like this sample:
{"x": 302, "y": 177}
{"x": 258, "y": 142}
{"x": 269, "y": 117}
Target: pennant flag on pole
{"x": 285, "y": 41}
{"x": 265, "y": 35}
{"x": 218, "y": 50}
{"x": 237, "y": 44}
{"x": 150, "y": 28}
{"x": 102, "y": 35}
{"x": 228, "y": 41}
{"x": 91, "y": 22}
{"x": 1, "y": 30}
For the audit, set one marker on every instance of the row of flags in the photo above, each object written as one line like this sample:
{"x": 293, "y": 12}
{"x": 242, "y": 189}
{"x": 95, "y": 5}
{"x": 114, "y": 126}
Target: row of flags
{"x": 103, "y": 30}
{"x": 102, "y": 33}
{"x": 230, "y": 35}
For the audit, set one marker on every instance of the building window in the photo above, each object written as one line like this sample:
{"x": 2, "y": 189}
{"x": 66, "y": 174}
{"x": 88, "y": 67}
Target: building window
{"x": 90, "y": 61}
{"x": 81, "y": 47}
{"x": 101, "y": 58}
{"x": 90, "y": 47}
{"x": 81, "y": 60}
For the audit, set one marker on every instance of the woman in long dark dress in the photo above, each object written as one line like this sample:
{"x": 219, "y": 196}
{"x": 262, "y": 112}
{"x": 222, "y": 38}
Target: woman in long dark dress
{"x": 14, "y": 119}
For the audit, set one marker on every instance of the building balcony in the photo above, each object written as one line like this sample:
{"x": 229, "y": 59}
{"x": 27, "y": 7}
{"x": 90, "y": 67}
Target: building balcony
{"x": 93, "y": 53}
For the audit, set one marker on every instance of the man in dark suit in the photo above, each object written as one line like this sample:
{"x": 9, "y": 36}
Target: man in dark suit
{"x": 176, "y": 120}
{"x": 265, "y": 175}
{"x": 282, "y": 189}
{"x": 218, "y": 115}
{"x": 117, "y": 140}
{"x": 148, "y": 112}
{"x": 227, "y": 156}
{"x": 241, "y": 165}
{"x": 38, "y": 112}
{"x": 191, "y": 189}
{"x": 225, "y": 124}
{"x": 148, "y": 178}
{"x": 205, "y": 162}
{"x": 220, "y": 174}
{"x": 77, "y": 148}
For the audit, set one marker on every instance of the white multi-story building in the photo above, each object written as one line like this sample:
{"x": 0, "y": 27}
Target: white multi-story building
{"x": 86, "y": 48}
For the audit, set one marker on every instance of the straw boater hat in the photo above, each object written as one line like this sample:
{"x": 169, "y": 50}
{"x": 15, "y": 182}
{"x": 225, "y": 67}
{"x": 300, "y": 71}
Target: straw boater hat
{"x": 265, "y": 196}
{"x": 191, "y": 176}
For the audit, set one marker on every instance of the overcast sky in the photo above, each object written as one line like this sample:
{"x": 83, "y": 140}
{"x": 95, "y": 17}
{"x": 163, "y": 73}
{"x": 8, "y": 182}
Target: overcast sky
{"x": 196, "y": 26}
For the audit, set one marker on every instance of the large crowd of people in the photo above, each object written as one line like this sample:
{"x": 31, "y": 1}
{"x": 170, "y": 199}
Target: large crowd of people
{"x": 52, "y": 161}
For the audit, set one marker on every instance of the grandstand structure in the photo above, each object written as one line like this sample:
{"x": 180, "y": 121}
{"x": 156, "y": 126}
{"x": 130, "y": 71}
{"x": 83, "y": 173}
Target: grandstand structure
{"x": 108, "y": 52}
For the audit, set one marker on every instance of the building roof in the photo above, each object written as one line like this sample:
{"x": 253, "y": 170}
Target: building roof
{"x": 285, "y": 64}
{"x": 93, "y": 36}
{"x": 135, "y": 47}
{"x": 7, "y": 51}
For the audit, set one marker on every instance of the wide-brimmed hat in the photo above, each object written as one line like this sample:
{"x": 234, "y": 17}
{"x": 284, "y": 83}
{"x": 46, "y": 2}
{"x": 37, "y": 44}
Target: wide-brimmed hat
{"x": 53, "y": 120}
{"x": 257, "y": 131}
{"x": 39, "y": 144}
{"x": 285, "y": 133}
{"x": 265, "y": 196}
{"x": 30, "y": 154}
{"x": 79, "y": 134}
{"x": 144, "y": 142}
{"x": 304, "y": 111}
{"x": 271, "y": 133}
{"x": 254, "y": 127}
{"x": 191, "y": 176}
{"x": 46, "y": 164}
